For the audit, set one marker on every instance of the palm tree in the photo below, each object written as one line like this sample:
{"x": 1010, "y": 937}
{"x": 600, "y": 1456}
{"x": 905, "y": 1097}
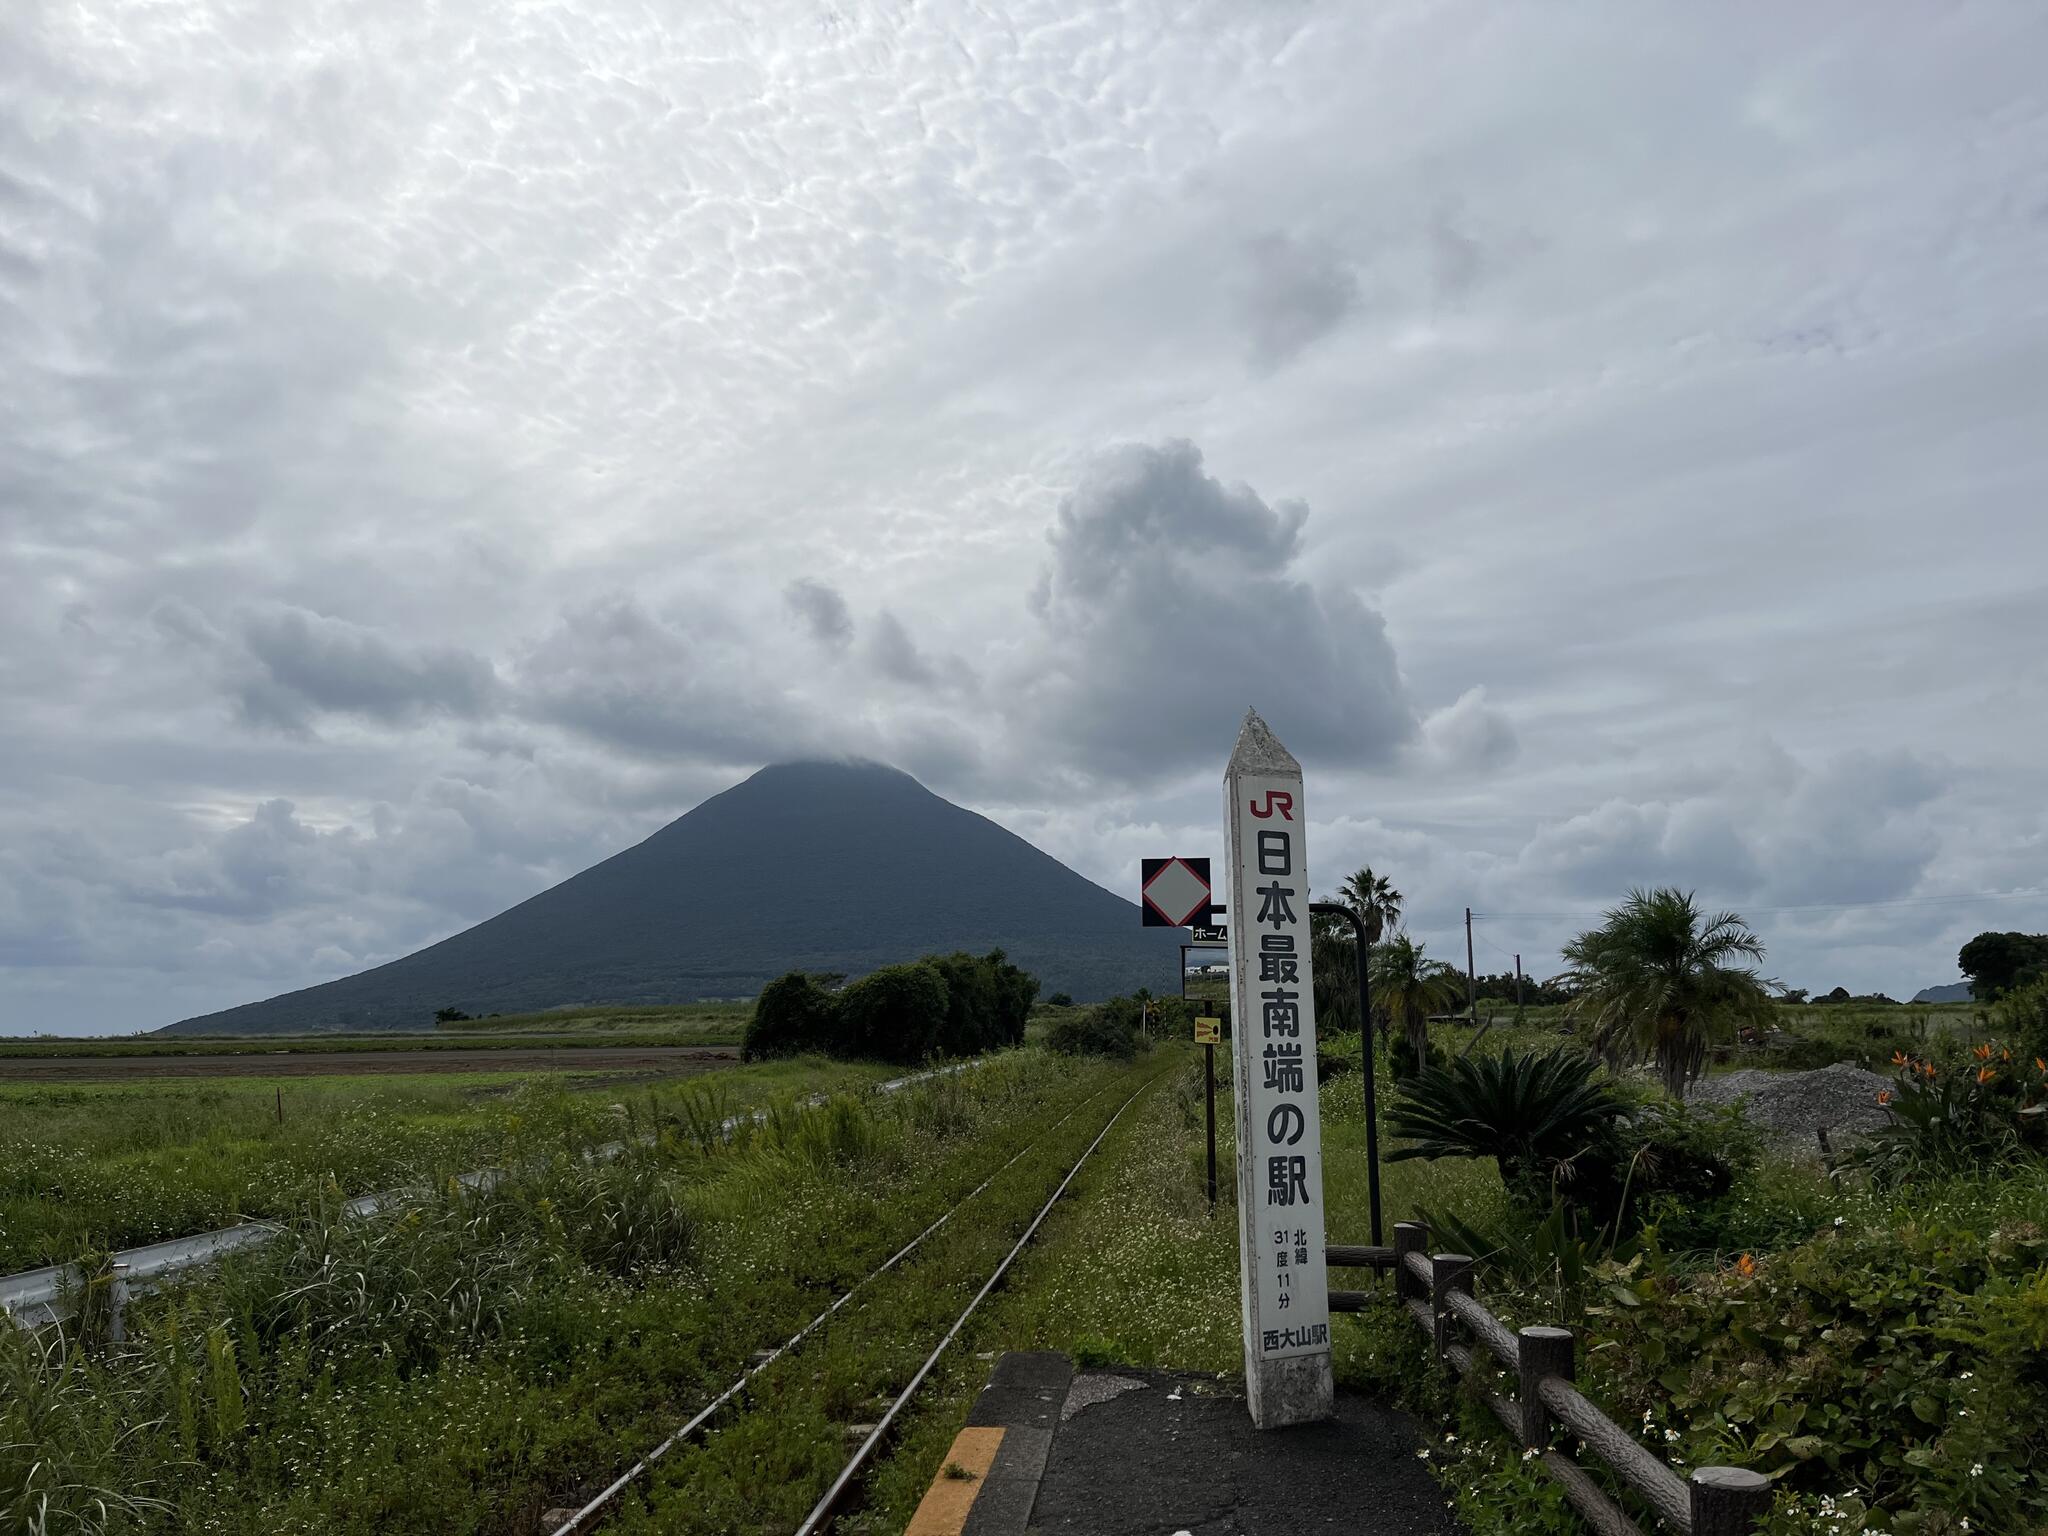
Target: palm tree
{"x": 1374, "y": 899}
{"x": 1659, "y": 978}
{"x": 1409, "y": 986}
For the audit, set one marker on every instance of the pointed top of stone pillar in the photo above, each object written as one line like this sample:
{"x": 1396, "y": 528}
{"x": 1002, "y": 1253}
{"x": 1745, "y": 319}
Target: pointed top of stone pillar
{"x": 1258, "y": 751}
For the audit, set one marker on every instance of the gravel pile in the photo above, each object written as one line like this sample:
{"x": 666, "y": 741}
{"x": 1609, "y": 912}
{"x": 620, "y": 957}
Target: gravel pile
{"x": 1791, "y": 1106}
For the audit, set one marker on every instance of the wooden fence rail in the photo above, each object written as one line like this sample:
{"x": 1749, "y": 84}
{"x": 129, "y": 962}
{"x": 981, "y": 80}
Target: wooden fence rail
{"x": 1436, "y": 1290}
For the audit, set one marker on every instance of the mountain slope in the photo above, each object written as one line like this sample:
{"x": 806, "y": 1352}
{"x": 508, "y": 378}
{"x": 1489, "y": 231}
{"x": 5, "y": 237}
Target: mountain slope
{"x": 1947, "y": 992}
{"x": 818, "y": 866}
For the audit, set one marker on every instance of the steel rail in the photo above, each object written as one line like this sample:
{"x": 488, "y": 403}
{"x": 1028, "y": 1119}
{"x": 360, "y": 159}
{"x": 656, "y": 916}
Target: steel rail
{"x": 821, "y": 1513}
{"x": 703, "y": 1416}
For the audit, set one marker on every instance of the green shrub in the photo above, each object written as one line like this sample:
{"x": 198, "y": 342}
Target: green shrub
{"x": 897, "y": 1013}
{"x": 2022, "y": 1018}
{"x": 1839, "y": 1364}
{"x": 794, "y": 1014}
{"x": 1401, "y": 1057}
{"x": 942, "y": 1005}
{"x": 1110, "y": 1028}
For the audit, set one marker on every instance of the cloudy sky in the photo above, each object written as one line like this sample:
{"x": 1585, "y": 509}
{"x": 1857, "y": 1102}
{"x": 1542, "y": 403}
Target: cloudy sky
{"x": 439, "y": 444}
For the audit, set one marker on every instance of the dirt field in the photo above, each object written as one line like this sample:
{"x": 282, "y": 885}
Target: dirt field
{"x": 646, "y": 1060}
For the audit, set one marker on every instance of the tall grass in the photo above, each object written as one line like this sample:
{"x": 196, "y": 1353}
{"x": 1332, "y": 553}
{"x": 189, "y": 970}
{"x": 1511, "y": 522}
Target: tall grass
{"x": 469, "y": 1353}
{"x": 123, "y": 1164}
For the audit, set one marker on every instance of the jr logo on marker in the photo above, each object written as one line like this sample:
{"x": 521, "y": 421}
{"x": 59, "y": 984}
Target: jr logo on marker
{"x": 1274, "y": 800}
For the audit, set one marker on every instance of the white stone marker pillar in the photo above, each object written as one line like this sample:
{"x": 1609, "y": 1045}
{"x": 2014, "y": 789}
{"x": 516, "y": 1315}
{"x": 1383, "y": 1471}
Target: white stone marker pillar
{"x": 1285, "y": 1285}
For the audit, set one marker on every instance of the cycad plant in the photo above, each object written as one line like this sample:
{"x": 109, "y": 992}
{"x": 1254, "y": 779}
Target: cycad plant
{"x": 1534, "y": 1113}
{"x": 1409, "y": 986}
{"x": 1660, "y": 978}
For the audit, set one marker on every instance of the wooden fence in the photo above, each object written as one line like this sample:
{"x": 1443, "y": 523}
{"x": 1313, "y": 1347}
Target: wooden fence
{"x": 1436, "y": 1289}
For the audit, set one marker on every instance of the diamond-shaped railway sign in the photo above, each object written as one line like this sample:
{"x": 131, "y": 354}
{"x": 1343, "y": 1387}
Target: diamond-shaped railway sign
{"x": 1175, "y": 893}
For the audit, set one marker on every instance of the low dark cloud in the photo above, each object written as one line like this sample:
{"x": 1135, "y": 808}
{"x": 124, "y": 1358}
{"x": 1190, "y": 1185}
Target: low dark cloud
{"x": 897, "y": 656}
{"x": 822, "y": 611}
{"x": 307, "y": 663}
{"x": 661, "y": 685}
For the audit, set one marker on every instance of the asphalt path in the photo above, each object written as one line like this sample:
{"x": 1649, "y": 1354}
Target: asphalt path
{"x": 667, "y": 1060}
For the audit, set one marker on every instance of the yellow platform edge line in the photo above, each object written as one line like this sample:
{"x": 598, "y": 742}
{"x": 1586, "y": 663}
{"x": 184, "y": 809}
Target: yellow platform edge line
{"x": 943, "y": 1510}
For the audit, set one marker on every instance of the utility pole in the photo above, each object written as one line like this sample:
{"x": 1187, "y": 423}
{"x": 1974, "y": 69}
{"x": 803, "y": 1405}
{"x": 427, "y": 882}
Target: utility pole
{"x": 1471, "y": 979}
{"x": 1518, "y": 989}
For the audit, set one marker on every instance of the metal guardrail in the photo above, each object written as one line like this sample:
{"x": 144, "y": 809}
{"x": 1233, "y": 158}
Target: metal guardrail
{"x": 1436, "y": 1290}
{"x": 36, "y": 1297}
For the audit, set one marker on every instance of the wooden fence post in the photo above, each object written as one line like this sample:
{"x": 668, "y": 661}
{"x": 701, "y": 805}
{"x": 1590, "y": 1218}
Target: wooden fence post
{"x": 1447, "y": 1272}
{"x": 1541, "y": 1352}
{"x": 1729, "y": 1501}
{"x": 1409, "y": 1237}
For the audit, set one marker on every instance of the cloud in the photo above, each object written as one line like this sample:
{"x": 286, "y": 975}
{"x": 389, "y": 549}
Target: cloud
{"x": 897, "y": 655}
{"x": 1171, "y": 602}
{"x": 1290, "y": 295}
{"x": 1853, "y": 827}
{"x": 1469, "y": 735}
{"x": 446, "y": 432}
{"x": 615, "y": 672}
{"x": 822, "y": 611}
{"x": 307, "y": 663}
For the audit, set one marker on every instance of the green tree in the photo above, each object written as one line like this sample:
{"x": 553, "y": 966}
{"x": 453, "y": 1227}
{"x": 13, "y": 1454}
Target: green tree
{"x": 795, "y": 1012}
{"x": 1375, "y": 900}
{"x": 1998, "y": 962}
{"x": 1409, "y": 986}
{"x": 1661, "y": 978}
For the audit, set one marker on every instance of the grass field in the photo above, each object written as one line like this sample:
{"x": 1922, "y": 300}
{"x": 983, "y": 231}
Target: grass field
{"x": 121, "y": 1164}
{"x": 462, "y": 1361}
{"x": 677, "y": 1024}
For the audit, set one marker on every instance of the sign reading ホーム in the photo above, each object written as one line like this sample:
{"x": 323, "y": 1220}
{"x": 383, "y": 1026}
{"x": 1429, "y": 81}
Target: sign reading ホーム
{"x": 1285, "y": 1286}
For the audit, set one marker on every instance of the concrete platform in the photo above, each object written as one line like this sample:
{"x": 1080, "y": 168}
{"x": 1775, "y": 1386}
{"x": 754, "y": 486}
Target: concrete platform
{"x": 1051, "y": 1452}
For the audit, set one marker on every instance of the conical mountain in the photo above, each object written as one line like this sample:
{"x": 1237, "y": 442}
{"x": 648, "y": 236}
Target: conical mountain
{"x": 813, "y": 866}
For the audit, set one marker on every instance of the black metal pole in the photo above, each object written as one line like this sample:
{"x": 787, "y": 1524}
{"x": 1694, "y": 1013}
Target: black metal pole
{"x": 1209, "y": 1103}
{"x": 1372, "y": 1114}
{"x": 1208, "y": 1081}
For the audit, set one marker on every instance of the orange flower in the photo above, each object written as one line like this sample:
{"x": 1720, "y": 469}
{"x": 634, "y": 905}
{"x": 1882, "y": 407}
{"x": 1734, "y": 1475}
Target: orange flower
{"x": 1901, "y": 1059}
{"x": 2006, "y": 1054}
{"x": 1927, "y": 1069}
{"x": 1983, "y": 1053}
{"x": 1884, "y": 1095}
{"x": 1745, "y": 1266}
{"x": 2040, "y": 1065}
{"x": 1985, "y": 1074}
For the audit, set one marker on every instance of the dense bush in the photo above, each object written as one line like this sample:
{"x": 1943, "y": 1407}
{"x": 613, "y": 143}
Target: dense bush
{"x": 2023, "y": 1019}
{"x": 897, "y": 1013}
{"x": 1839, "y": 1365}
{"x": 795, "y": 1013}
{"x": 943, "y": 1005}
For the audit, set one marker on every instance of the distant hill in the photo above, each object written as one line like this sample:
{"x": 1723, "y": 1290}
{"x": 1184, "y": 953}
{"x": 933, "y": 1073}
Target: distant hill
{"x": 818, "y": 866}
{"x": 1950, "y": 992}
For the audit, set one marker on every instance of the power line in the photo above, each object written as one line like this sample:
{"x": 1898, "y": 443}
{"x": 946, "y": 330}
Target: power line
{"x": 1809, "y": 906}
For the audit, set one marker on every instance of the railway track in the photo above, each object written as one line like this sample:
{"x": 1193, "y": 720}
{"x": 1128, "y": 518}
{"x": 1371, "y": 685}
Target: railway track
{"x": 851, "y": 1474}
